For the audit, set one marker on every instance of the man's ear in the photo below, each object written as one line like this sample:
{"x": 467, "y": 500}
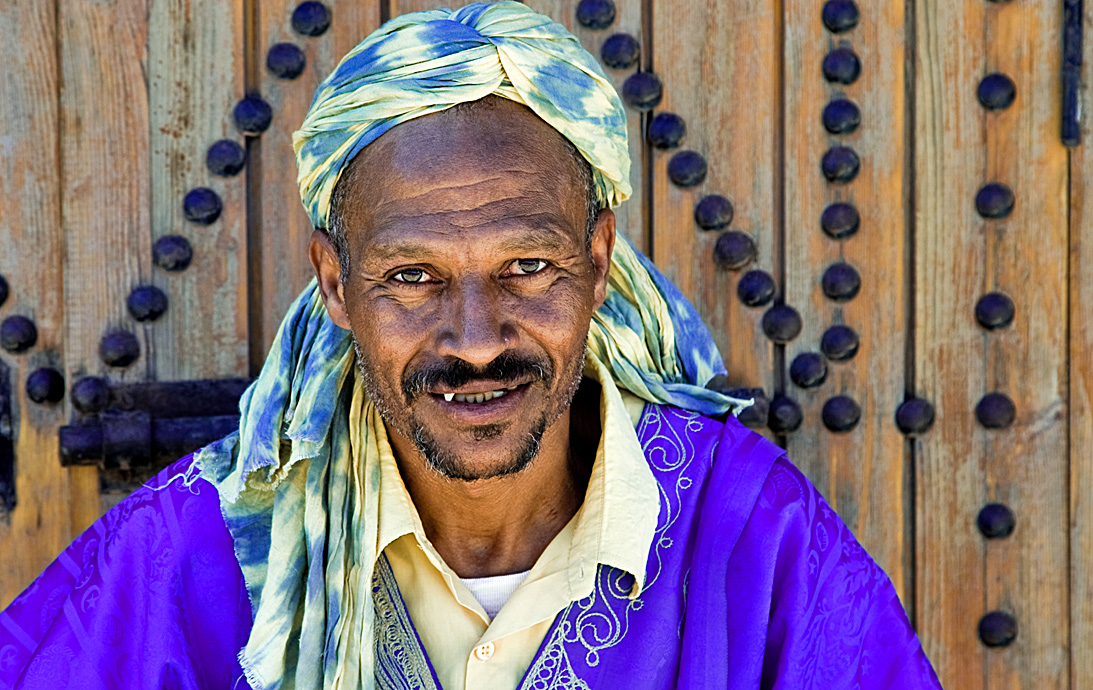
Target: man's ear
{"x": 603, "y": 243}
{"x": 324, "y": 259}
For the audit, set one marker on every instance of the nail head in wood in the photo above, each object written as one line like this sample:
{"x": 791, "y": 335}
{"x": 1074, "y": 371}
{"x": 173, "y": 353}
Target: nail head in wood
{"x": 595, "y": 14}
{"x": 994, "y": 200}
{"x": 996, "y": 521}
{"x": 734, "y": 250}
{"x": 785, "y": 415}
{"x": 666, "y": 130}
{"x": 839, "y": 343}
{"x": 252, "y": 116}
{"x": 687, "y": 169}
{"x": 642, "y": 90}
{"x": 841, "y": 116}
{"x": 997, "y": 629}
{"x": 201, "y": 206}
{"x": 840, "y": 220}
{"x": 90, "y": 394}
{"x": 808, "y": 370}
{"x": 915, "y": 417}
{"x": 713, "y": 212}
{"x": 841, "y": 414}
{"x": 46, "y": 386}
{"x": 225, "y": 158}
{"x": 755, "y": 289}
{"x": 840, "y": 16}
{"x": 172, "y": 253}
{"x": 146, "y": 303}
{"x": 996, "y": 91}
{"x": 841, "y": 66}
{"x": 840, "y": 164}
{"x": 119, "y": 349}
{"x": 620, "y": 51}
{"x": 311, "y": 18}
{"x": 17, "y": 334}
{"x": 285, "y": 61}
{"x": 994, "y": 310}
{"x": 841, "y": 282}
{"x": 782, "y": 323}
{"x": 995, "y": 411}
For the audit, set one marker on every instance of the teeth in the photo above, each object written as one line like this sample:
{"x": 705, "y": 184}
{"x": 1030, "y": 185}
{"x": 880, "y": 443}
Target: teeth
{"x": 474, "y": 397}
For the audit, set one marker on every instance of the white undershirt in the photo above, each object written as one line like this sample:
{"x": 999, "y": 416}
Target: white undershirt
{"x": 493, "y": 592}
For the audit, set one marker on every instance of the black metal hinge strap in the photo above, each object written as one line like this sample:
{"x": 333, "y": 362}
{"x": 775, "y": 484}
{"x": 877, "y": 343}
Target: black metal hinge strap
{"x": 1072, "y": 72}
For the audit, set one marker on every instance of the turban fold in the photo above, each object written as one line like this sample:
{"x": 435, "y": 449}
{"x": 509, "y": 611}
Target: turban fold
{"x": 425, "y": 62}
{"x": 292, "y": 479}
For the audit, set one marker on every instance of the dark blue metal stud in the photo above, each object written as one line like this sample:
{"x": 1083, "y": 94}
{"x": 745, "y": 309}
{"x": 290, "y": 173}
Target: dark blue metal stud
{"x": 840, "y": 220}
{"x": 311, "y": 18}
{"x": 666, "y": 130}
{"x": 595, "y": 14}
{"x": 252, "y": 115}
{"x": 841, "y": 66}
{"x": 996, "y": 92}
{"x": 147, "y": 303}
{"x": 996, "y": 521}
{"x": 840, "y": 16}
{"x": 642, "y": 90}
{"x": 841, "y": 414}
{"x": 3, "y": 291}
{"x": 713, "y": 212}
{"x": 620, "y": 51}
{"x": 808, "y": 370}
{"x": 201, "y": 206}
{"x": 994, "y": 310}
{"x": 839, "y": 343}
{"x": 734, "y": 250}
{"x": 915, "y": 416}
{"x": 840, "y": 164}
{"x": 995, "y": 411}
{"x": 994, "y": 200}
{"x": 841, "y": 116}
{"x": 46, "y": 386}
{"x": 687, "y": 169}
{"x": 997, "y": 629}
{"x": 785, "y": 415}
{"x": 225, "y": 158}
{"x": 782, "y": 323}
{"x": 841, "y": 282}
{"x": 90, "y": 394}
{"x": 119, "y": 349}
{"x": 17, "y": 334}
{"x": 756, "y": 288}
{"x": 285, "y": 61}
{"x": 172, "y": 253}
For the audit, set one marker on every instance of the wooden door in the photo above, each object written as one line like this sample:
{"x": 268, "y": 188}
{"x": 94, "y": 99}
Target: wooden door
{"x": 870, "y": 204}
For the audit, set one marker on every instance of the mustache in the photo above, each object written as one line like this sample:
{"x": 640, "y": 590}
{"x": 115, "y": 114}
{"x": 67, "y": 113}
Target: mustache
{"x": 508, "y": 368}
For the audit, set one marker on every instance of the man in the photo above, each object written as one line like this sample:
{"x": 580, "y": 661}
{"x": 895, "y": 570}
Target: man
{"x": 513, "y": 478}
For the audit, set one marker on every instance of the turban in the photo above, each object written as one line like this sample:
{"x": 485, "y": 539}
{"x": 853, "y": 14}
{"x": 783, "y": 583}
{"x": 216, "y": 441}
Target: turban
{"x": 290, "y": 479}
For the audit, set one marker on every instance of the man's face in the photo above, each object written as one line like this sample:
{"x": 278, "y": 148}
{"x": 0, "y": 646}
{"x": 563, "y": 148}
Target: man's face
{"x": 470, "y": 285}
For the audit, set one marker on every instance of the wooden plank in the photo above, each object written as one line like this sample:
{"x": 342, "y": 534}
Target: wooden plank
{"x": 282, "y": 229}
{"x": 1081, "y": 388}
{"x": 195, "y": 76}
{"x": 719, "y": 62}
{"x": 961, "y": 465}
{"x": 863, "y": 473}
{"x": 629, "y": 217}
{"x": 51, "y": 500}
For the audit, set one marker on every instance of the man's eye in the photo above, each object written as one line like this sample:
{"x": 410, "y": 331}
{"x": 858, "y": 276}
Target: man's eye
{"x": 411, "y": 275}
{"x": 528, "y": 266}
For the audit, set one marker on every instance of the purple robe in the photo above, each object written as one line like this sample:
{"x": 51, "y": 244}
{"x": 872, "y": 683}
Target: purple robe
{"x": 752, "y": 582}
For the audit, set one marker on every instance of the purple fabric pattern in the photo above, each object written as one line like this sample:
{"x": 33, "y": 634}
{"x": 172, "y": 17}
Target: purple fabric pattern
{"x": 753, "y": 582}
{"x": 149, "y": 597}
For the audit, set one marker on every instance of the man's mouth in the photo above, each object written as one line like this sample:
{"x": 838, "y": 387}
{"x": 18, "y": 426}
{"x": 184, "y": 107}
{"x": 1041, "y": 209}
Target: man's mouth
{"x": 478, "y": 397}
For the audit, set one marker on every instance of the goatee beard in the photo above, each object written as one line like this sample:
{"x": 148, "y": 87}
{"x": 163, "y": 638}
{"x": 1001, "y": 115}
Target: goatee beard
{"x": 505, "y": 368}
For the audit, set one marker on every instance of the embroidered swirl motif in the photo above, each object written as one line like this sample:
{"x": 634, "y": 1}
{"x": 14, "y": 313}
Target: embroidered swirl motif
{"x": 595, "y": 628}
{"x": 401, "y": 663}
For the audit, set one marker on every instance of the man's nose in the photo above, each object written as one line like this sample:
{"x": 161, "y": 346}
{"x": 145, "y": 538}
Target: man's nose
{"x": 475, "y": 329}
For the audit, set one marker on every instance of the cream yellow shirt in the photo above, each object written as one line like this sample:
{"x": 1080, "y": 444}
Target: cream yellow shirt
{"x": 614, "y": 526}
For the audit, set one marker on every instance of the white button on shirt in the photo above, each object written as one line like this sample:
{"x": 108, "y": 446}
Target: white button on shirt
{"x": 484, "y": 652}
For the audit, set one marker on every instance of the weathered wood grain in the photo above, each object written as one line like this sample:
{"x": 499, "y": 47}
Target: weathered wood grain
{"x": 195, "y": 76}
{"x": 629, "y": 217}
{"x": 52, "y": 502}
{"x": 863, "y": 473}
{"x": 280, "y": 228}
{"x": 1081, "y": 389}
{"x": 719, "y": 62}
{"x": 959, "y": 256}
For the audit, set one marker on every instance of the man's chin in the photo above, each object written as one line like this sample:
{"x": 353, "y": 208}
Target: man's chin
{"x": 488, "y": 452}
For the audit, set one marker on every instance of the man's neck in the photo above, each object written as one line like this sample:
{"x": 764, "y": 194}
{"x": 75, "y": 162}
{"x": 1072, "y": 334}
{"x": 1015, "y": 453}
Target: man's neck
{"x": 502, "y": 525}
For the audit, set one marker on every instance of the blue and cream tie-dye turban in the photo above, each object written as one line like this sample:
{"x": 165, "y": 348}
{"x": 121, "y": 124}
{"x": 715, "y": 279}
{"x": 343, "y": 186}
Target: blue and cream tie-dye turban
{"x": 291, "y": 479}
